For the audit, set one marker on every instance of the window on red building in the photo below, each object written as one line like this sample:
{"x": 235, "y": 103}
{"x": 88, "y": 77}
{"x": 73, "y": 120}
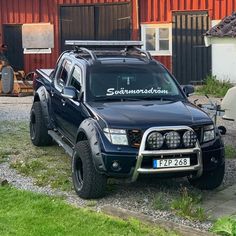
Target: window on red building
{"x": 157, "y": 38}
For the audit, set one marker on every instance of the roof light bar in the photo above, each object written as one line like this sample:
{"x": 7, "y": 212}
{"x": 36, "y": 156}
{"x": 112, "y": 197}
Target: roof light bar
{"x": 102, "y": 43}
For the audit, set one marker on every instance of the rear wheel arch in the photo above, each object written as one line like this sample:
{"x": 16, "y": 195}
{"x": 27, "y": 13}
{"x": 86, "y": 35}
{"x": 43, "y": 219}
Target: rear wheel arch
{"x": 38, "y": 130}
{"x": 43, "y": 97}
{"x": 36, "y": 98}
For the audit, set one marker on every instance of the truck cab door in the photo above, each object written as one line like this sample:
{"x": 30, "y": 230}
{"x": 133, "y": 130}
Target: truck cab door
{"x": 75, "y": 111}
{"x": 58, "y": 102}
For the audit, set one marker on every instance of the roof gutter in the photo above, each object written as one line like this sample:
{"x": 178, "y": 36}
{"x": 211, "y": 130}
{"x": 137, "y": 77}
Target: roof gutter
{"x": 210, "y": 40}
{"x": 207, "y": 41}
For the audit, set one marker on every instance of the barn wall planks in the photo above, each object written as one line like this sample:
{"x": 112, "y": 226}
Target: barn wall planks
{"x": 165, "y": 60}
{"x": 150, "y": 11}
{"x": 162, "y": 11}
{"x": 38, "y": 11}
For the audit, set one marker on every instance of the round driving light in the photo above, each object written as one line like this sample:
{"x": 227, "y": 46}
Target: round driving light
{"x": 172, "y": 139}
{"x": 116, "y": 166}
{"x": 189, "y": 139}
{"x": 155, "y": 140}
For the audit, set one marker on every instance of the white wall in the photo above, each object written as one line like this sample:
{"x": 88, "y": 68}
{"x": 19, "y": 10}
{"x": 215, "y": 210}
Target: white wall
{"x": 224, "y": 61}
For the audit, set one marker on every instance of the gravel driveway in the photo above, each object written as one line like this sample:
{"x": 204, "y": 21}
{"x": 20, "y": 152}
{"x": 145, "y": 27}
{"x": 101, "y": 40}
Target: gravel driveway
{"x": 15, "y": 108}
{"x": 136, "y": 196}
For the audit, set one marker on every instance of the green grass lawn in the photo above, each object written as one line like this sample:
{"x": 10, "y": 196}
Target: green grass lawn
{"x": 225, "y": 226}
{"x": 230, "y": 152}
{"x": 47, "y": 165}
{"x": 25, "y": 213}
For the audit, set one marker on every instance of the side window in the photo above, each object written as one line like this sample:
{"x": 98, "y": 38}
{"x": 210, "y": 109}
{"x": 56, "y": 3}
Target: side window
{"x": 76, "y": 78}
{"x": 63, "y": 74}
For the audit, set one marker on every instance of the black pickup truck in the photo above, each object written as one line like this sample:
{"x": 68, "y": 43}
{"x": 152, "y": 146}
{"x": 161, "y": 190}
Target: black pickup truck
{"x": 120, "y": 114}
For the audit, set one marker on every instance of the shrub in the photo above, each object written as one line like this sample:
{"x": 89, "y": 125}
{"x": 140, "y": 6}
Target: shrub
{"x": 187, "y": 206}
{"x": 225, "y": 226}
{"x": 215, "y": 87}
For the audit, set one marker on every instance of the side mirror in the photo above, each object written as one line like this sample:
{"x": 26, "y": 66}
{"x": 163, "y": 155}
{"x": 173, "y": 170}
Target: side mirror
{"x": 188, "y": 89}
{"x": 70, "y": 93}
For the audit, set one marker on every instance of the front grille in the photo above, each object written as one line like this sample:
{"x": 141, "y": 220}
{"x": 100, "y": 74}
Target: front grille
{"x": 135, "y": 137}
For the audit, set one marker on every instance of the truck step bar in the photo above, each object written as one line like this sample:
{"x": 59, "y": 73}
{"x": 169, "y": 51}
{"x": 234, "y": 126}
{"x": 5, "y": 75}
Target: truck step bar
{"x": 59, "y": 140}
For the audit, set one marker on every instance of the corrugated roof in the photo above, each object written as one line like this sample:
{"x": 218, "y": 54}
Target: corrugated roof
{"x": 226, "y": 28}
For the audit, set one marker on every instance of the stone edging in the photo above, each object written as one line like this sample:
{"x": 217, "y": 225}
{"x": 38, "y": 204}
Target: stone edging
{"x": 181, "y": 229}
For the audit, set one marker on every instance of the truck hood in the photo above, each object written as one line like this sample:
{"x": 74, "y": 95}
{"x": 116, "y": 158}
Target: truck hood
{"x": 148, "y": 114}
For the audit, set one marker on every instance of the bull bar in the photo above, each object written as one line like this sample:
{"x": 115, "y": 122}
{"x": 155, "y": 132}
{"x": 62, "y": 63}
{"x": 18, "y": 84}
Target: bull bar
{"x": 161, "y": 153}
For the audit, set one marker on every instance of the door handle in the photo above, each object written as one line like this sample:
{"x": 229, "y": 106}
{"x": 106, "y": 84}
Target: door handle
{"x": 63, "y": 102}
{"x": 52, "y": 93}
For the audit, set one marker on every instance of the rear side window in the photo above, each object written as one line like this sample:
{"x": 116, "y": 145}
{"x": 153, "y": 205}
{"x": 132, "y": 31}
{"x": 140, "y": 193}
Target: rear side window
{"x": 76, "y": 78}
{"x": 63, "y": 74}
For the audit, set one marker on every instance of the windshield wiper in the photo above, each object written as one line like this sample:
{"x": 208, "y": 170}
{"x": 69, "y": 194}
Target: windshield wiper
{"x": 112, "y": 99}
{"x": 131, "y": 99}
{"x": 117, "y": 99}
{"x": 163, "y": 99}
{"x": 106, "y": 99}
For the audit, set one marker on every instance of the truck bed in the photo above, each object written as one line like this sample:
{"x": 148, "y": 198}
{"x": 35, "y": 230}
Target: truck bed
{"x": 45, "y": 73}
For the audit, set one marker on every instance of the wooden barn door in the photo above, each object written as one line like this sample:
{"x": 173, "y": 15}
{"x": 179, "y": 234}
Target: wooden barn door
{"x": 77, "y": 23}
{"x": 95, "y": 22}
{"x": 13, "y": 39}
{"x": 191, "y": 59}
{"x": 113, "y": 22}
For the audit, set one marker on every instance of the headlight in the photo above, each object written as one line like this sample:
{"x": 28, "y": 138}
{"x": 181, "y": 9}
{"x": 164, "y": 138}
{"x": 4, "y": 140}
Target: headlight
{"x": 172, "y": 139}
{"x": 209, "y": 133}
{"x": 155, "y": 140}
{"x": 189, "y": 139}
{"x": 116, "y": 136}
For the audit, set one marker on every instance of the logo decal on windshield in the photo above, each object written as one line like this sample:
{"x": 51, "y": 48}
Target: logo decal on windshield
{"x": 122, "y": 91}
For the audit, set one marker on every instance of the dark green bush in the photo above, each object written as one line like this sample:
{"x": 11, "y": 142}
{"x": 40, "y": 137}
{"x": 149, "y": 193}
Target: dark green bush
{"x": 214, "y": 87}
{"x": 225, "y": 226}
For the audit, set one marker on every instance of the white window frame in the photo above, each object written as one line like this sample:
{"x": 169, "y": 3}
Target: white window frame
{"x": 157, "y": 52}
{"x": 37, "y": 51}
{"x": 38, "y": 38}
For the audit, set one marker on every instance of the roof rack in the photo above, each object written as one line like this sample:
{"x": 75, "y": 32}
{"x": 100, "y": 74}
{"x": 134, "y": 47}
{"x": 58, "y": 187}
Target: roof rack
{"x": 93, "y": 43}
{"x": 91, "y": 53}
{"x": 93, "y": 47}
{"x": 133, "y": 49}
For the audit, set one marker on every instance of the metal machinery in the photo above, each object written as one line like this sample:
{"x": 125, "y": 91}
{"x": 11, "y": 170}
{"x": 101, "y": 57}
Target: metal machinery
{"x": 227, "y": 108}
{"x": 14, "y": 83}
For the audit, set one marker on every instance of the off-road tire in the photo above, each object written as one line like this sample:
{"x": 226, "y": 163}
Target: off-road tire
{"x": 88, "y": 183}
{"x": 38, "y": 130}
{"x": 210, "y": 179}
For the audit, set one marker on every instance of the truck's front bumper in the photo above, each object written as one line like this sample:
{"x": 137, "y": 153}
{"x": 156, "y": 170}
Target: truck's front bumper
{"x": 206, "y": 157}
{"x": 161, "y": 154}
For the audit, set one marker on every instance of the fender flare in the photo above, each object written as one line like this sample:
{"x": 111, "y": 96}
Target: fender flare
{"x": 43, "y": 97}
{"x": 89, "y": 128}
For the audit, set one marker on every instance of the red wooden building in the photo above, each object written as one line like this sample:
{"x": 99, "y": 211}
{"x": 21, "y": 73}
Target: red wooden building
{"x": 171, "y": 29}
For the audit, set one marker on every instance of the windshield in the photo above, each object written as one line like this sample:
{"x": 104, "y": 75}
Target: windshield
{"x": 131, "y": 82}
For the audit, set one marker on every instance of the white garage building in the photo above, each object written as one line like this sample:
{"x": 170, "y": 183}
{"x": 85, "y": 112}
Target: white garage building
{"x": 222, "y": 37}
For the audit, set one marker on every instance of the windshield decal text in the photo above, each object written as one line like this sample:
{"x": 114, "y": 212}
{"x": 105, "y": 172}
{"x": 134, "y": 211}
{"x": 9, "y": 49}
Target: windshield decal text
{"x": 122, "y": 91}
